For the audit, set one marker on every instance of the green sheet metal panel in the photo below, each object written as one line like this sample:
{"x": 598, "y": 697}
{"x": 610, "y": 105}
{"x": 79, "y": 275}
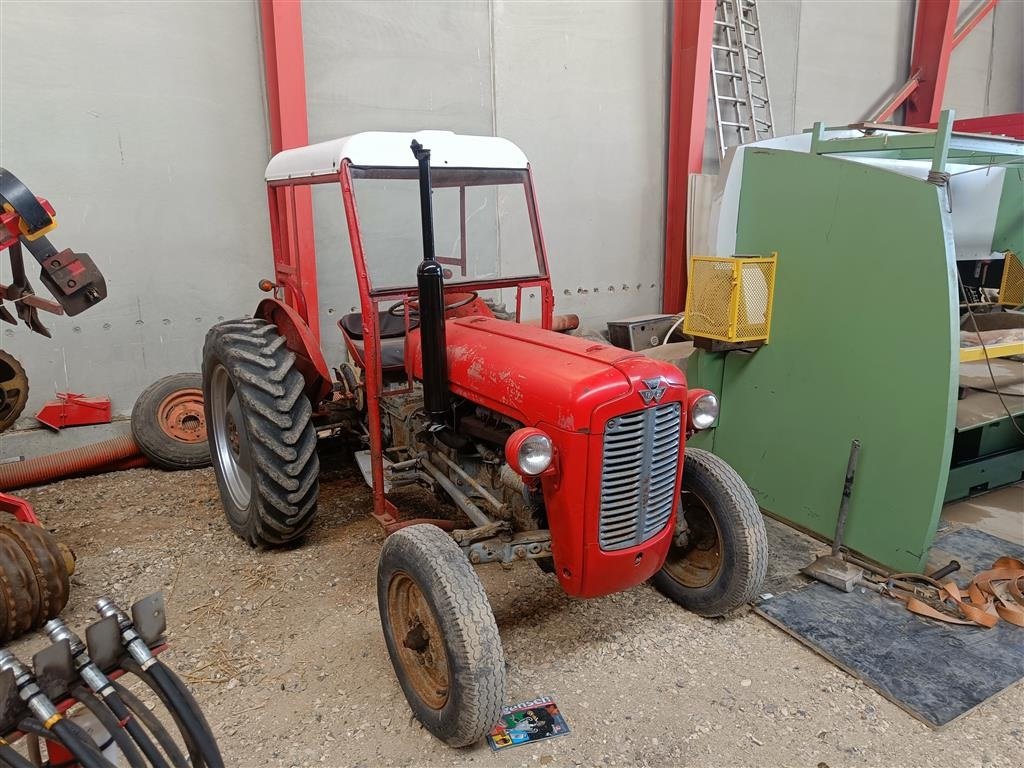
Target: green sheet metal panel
{"x": 855, "y": 242}
{"x": 1009, "y": 233}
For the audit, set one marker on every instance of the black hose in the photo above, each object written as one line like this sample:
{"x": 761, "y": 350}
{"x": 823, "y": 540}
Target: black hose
{"x": 112, "y": 724}
{"x": 72, "y": 738}
{"x": 9, "y": 756}
{"x": 186, "y": 709}
{"x": 194, "y": 754}
{"x": 142, "y": 712}
{"x": 34, "y": 728}
{"x": 80, "y": 744}
{"x": 186, "y": 694}
{"x": 136, "y": 731}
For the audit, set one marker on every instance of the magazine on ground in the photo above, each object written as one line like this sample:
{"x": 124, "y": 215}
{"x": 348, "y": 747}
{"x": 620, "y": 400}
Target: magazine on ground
{"x": 527, "y": 722}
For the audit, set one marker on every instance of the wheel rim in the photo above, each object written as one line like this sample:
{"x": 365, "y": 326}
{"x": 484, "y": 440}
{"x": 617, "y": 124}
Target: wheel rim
{"x": 230, "y": 439}
{"x": 418, "y": 641}
{"x": 698, "y": 563}
{"x": 181, "y": 417}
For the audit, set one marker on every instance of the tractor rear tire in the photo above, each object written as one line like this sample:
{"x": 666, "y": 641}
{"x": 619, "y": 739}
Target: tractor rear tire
{"x": 441, "y": 634}
{"x": 261, "y": 434}
{"x": 722, "y": 564}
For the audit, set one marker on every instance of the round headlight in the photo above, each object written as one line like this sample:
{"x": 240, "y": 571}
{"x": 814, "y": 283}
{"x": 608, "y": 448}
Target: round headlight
{"x": 704, "y": 411}
{"x": 529, "y": 451}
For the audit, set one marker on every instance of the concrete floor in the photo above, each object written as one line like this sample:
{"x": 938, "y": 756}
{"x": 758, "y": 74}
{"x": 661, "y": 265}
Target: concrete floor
{"x": 999, "y": 512}
{"x": 284, "y": 650}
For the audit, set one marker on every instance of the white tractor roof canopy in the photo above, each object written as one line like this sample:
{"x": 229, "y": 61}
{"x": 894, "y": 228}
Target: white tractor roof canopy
{"x": 391, "y": 150}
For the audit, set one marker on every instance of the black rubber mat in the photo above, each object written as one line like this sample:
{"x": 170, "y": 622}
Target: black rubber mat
{"x": 937, "y": 672}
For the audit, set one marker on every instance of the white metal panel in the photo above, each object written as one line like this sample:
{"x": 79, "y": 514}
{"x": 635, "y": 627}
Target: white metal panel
{"x": 391, "y": 149}
{"x": 973, "y": 199}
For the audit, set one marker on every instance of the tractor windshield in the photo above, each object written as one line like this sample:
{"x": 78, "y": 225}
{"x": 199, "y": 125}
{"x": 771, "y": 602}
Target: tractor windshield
{"x": 483, "y": 229}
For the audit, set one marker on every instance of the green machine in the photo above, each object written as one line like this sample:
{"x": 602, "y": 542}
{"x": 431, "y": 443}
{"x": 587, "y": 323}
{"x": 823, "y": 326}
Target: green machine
{"x": 882, "y": 236}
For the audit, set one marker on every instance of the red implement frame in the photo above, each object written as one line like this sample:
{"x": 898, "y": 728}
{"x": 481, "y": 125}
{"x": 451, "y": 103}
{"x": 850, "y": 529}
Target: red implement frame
{"x": 291, "y": 209}
{"x": 74, "y": 410}
{"x": 18, "y": 507}
{"x": 693, "y": 23}
{"x": 370, "y": 301}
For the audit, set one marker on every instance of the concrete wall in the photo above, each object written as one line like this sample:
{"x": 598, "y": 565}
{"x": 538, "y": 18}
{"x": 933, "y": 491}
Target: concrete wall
{"x": 145, "y": 123}
{"x": 582, "y": 92}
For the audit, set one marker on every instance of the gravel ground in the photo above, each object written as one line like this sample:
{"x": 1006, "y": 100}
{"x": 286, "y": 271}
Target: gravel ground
{"x": 285, "y": 653}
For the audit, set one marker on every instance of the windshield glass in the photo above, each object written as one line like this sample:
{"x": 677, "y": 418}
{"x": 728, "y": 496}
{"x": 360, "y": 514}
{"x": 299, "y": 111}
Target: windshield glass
{"x": 482, "y": 226}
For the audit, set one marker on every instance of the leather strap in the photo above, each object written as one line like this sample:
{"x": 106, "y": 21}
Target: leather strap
{"x": 995, "y": 594}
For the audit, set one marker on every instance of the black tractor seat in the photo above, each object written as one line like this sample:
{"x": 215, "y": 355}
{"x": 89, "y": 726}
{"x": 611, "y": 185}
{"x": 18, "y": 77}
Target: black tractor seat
{"x": 391, "y": 327}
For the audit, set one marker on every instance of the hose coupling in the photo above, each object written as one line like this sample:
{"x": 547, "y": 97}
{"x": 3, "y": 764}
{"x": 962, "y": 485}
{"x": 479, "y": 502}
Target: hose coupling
{"x": 135, "y": 645}
{"x": 28, "y": 689}
{"x": 57, "y": 630}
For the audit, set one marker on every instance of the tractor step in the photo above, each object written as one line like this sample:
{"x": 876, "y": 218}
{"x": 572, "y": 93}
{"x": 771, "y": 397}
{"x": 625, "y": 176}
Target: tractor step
{"x": 365, "y": 466}
{"x": 396, "y": 474}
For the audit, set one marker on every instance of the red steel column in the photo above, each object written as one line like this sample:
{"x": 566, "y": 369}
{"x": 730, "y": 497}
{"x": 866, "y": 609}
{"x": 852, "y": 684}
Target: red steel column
{"x": 692, "y": 30}
{"x": 934, "y": 30}
{"x": 284, "y": 63}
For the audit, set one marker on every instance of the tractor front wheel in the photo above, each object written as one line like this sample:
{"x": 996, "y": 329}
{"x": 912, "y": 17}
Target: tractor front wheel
{"x": 719, "y": 556}
{"x": 260, "y": 430}
{"x": 441, "y": 634}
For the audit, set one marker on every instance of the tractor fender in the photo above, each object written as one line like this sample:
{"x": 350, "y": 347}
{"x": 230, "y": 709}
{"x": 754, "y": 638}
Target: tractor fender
{"x": 300, "y": 340}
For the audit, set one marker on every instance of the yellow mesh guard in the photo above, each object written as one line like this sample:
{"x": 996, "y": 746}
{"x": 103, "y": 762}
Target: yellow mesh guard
{"x": 730, "y": 298}
{"x": 1011, "y": 289}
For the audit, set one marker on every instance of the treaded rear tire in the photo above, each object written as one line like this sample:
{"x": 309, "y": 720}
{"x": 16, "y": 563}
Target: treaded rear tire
{"x": 276, "y": 422}
{"x": 742, "y": 540}
{"x": 469, "y": 633}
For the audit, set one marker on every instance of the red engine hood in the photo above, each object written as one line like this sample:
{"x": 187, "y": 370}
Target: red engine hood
{"x": 536, "y": 376}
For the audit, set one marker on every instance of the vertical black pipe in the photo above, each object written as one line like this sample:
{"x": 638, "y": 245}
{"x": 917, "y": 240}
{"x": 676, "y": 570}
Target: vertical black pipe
{"x": 430, "y": 284}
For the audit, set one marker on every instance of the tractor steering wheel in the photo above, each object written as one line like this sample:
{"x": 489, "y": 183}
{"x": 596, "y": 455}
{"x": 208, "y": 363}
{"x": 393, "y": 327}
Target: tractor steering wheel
{"x": 398, "y": 308}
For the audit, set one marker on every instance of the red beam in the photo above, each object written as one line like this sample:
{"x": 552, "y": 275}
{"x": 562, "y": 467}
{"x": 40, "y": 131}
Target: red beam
{"x": 692, "y": 31}
{"x": 1011, "y": 125}
{"x": 285, "y": 69}
{"x": 973, "y": 21}
{"x": 934, "y": 29}
{"x": 896, "y": 101}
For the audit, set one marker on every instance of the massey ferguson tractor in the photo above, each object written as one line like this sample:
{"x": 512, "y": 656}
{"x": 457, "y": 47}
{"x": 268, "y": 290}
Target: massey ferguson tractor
{"x": 545, "y": 446}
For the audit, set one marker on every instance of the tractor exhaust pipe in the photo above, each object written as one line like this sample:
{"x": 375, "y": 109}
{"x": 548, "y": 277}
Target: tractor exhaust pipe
{"x": 430, "y": 284}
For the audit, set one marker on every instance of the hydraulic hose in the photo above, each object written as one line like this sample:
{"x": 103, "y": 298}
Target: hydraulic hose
{"x": 136, "y": 731}
{"x": 107, "y": 720}
{"x": 179, "y": 701}
{"x": 147, "y": 718}
{"x": 93, "y": 676}
{"x": 71, "y": 737}
{"x": 11, "y": 757}
{"x": 198, "y": 738}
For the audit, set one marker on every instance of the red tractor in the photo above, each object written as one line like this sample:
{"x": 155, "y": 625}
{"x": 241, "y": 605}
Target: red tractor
{"x": 552, "y": 447}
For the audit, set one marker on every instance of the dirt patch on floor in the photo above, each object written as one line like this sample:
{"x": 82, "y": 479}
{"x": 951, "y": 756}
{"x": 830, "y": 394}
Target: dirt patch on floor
{"x": 284, "y": 651}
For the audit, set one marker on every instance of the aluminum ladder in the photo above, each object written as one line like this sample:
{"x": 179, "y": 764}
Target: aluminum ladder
{"x": 743, "y": 110}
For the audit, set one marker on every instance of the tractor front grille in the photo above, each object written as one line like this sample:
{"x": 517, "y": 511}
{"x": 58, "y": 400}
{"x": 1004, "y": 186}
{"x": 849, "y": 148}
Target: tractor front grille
{"x": 638, "y": 475}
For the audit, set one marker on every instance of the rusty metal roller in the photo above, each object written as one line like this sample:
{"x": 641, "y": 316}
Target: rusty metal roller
{"x": 34, "y": 577}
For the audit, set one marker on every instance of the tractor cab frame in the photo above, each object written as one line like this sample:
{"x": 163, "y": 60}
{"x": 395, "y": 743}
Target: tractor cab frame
{"x": 479, "y": 159}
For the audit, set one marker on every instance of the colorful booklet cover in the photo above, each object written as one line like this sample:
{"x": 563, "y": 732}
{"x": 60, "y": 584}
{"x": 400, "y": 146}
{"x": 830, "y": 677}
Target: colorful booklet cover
{"x": 527, "y": 722}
